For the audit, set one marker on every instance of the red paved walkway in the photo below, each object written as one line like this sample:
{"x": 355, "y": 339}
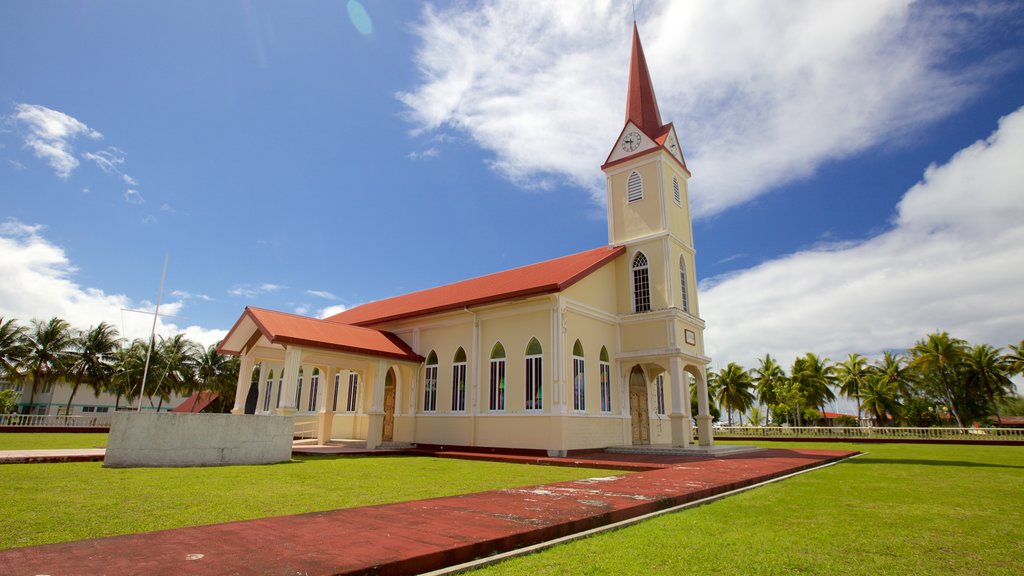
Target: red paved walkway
{"x": 413, "y": 537}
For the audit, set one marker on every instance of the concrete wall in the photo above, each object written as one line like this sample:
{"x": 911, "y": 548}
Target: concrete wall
{"x": 179, "y": 440}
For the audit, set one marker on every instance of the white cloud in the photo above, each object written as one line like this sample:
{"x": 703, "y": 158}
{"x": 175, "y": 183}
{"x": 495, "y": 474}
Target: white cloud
{"x": 17, "y": 165}
{"x": 129, "y": 180}
{"x": 108, "y": 160}
{"x": 431, "y": 152}
{"x": 133, "y": 197}
{"x": 762, "y": 93}
{"x": 250, "y": 291}
{"x": 322, "y": 294}
{"x": 952, "y": 261}
{"x": 331, "y": 310}
{"x": 49, "y": 135}
{"x": 39, "y": 283}
{"x": 186, "y": 295}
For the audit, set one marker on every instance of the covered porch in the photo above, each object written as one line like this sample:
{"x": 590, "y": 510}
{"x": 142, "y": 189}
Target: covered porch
{"x": 342, "y": 381}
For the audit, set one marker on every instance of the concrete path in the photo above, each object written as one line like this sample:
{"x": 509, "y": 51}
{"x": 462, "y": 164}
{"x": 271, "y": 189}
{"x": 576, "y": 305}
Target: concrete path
{"x": 62, "y": 455}
{"x": 418, "y": 536}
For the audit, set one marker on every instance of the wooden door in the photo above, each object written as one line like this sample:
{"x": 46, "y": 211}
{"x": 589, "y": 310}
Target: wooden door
{"x": 389, "y": 407}
{"x": 638, "y": 413}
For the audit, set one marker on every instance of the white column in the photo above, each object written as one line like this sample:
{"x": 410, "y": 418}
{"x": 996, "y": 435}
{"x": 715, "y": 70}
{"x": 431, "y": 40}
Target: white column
{"x": 375, "y": 426}
{"x": 242, "y": 387}
{"x": 704, "y": 437}
{"x": 292, "y": 358}
{"x": 325, "y": 419}
{"x": 680, "y": 423}
{"x": 261, "y": 387}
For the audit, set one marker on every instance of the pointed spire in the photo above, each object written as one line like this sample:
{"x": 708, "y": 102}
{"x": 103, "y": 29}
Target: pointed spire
{"x": 641, "y": 105}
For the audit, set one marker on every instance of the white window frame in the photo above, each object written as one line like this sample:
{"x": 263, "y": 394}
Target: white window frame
{"x": 579, "y": 384}
{"x": 458, "y": 387}
{"x": 606, "y": 387}
{"x": 659, "y": 391}
{"x": 314, "y": 388}
{"x": 634, "y": 187}
{"x": 430, "y": 388}
{"x": 534, "y": 383}
{"x": 497, "y": 399}
{"x": 684, "y": 290}
{"x": 337, "y": 387}
{"x": 269, "y": 389}
{"x": 641, "y": 282}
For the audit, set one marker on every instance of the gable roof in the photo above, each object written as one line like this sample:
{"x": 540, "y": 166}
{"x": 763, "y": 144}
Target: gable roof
{"x": 284, "y": 328}
{"x": 535, "y": 279}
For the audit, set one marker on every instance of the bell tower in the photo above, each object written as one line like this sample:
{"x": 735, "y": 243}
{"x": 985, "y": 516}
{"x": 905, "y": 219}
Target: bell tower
{"x": 648, "y": 204}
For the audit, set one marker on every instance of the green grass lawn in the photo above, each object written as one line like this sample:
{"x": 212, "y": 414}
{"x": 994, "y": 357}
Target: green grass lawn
{"x": 900, "y": 509}
{"x": 49, "y": 441}
{"x": 46, "y": 503}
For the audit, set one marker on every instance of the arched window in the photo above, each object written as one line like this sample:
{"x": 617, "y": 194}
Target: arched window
{"x": 298, "y": 390}
{"x": 606, "y": 382}
{"x": 682, "y": 281}
{"x": 579, "y": 388}
{"x": 534, "y": 376}
{"x": 280, "y": 387}
{"x": 634, "y": 187}
{"x": 497, "y": 402}
{"x": 676, "y": 193}
{"x": 430, "y": 383}
{"x": 269, "y": 389}
{"x": 314, "y": 386}
{"x": 459, "y": 381}
{"x": 641, "y": 284}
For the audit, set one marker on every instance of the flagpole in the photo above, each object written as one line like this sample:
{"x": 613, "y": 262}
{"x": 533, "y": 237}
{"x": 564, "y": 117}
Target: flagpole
{"x": 152, "y": 332}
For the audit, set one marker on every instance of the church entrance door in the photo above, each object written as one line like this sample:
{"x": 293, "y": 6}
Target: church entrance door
{"x": 389, "y": 407}
{"x": 638, "y": 413}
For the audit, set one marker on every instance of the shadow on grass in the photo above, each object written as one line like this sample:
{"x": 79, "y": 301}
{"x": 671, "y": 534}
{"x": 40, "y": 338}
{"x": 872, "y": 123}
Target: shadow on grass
{"x": 915, "y": 462}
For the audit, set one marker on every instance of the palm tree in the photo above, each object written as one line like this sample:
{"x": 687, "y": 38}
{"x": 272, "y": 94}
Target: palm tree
{"x": 732, "y": 390}
{"x": 893, "y": 368}
{"x": 217, "y": 373}
{"x": 1015, "y": 359}
{"x": 939, "y": 356}
{"x": 879, "y": 398}
{"x": 849, "y": 375}
{"x": 765, "y": 377}
{"x": 50, "y": 345}
{"x": 13, "y": 349}
{"x": 984, "y": 369}
{"x": 129, "y": 365}
{"x": 175, "y": 360}
{"x": 93, "y": 359}
{"x": 814, "y": 377}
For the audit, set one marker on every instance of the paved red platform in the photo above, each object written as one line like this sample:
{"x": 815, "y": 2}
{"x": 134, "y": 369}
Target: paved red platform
{"x": 418, "y": 536}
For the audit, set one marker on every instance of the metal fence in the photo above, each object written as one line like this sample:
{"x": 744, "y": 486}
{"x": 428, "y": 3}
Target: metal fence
{"x": 37, "y": 420}
{"x": 871, "y": 432}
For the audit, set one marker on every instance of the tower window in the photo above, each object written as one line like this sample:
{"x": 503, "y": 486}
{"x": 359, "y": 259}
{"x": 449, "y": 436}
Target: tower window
{"x": 641, "y": 284}
{"x": 606, "y": 382}
{"x": 634, "y": 187}
{"x": 682, "y": 280}
{"x": 676, "y": 194}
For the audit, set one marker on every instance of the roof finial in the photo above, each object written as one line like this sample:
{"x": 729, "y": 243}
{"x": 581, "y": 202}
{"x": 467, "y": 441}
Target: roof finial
{"x": 634, "y": 10}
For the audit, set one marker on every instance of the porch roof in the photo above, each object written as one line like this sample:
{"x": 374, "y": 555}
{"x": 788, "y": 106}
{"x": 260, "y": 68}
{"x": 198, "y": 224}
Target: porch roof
{"x": 283, "y": 328}
{"x": 531, "y": 280}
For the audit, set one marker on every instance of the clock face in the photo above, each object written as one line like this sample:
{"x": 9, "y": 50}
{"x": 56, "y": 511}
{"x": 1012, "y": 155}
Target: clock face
{"x": 631, "y": 141}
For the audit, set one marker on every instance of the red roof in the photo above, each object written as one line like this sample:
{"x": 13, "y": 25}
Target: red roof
{"x": 284, "y": 328}
{"x": 641, "y": 105}
{"x": 541, "y": 278}
{"x": 197, "y": 402}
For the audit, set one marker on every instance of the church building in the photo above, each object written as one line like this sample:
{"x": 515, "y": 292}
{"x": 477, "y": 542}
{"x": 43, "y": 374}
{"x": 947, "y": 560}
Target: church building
{"x": 586, "y": 351}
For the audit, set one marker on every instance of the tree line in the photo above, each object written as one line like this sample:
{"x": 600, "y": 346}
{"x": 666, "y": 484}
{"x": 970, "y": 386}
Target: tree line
{"x": 46, "y": 352}
{"x": 940, "y": 381}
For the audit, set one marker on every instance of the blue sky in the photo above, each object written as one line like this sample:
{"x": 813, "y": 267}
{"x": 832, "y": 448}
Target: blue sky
{"x": 305, "y": 156}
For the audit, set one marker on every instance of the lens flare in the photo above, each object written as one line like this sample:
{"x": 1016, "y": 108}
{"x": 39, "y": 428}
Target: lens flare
{"x": 359, "y": 18}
